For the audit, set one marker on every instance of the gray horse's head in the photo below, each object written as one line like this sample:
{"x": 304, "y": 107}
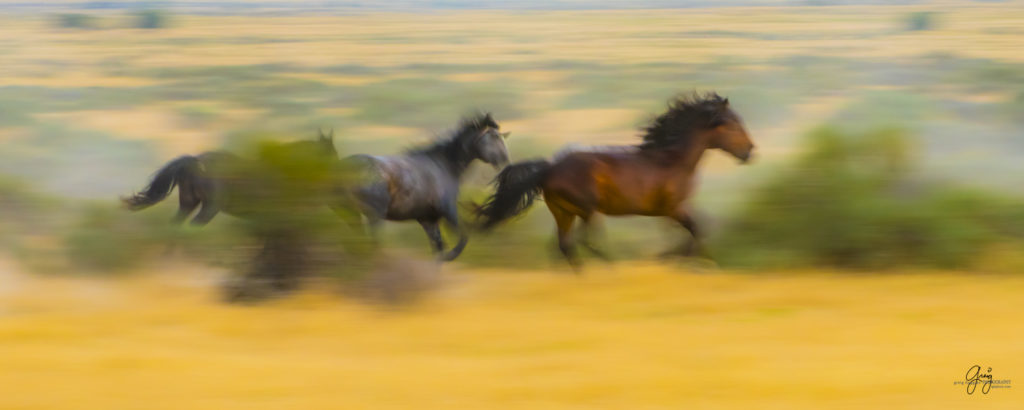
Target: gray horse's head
{"x": 489, "y": 144}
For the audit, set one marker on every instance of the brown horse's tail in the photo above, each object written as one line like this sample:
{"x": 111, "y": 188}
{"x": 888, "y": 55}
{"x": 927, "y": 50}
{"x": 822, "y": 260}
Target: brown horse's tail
{"x": 162, "y": 184}
{"x": 516, "y": 187}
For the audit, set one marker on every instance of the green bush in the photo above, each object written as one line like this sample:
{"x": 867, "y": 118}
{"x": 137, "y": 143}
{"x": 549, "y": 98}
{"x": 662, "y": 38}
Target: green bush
{"x": 853, "y": 201}
{"x": 108, "y": 239}
{"x": 919, "y": 21}
{"x": 76, "y": 20}
{"x": 152, "y": 19}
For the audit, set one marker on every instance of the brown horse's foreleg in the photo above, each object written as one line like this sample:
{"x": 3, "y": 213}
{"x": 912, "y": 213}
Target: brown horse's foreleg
{"x": 564, "y": 221}
{"x": 695, "y": 245}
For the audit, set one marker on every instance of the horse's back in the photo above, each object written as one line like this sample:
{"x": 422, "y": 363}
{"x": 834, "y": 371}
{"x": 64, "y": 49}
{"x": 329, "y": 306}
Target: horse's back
{"x": 615, "y": 182}
{"x": 413, "y": 186}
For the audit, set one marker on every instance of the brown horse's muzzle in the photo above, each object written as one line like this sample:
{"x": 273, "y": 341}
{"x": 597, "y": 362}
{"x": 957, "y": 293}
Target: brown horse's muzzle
{"x": 746, "y": 156}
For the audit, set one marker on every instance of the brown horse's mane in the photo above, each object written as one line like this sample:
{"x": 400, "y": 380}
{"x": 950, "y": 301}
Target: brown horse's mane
{"x": 686, "y": 114}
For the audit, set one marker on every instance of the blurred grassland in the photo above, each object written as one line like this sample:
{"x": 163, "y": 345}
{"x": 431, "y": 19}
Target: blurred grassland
{"x": 639, "y": 336}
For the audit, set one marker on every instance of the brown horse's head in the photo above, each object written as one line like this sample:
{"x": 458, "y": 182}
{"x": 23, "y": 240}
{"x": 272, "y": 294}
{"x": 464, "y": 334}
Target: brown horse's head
{"x": 726, "y": 130}
{"x": 700, "y": 121}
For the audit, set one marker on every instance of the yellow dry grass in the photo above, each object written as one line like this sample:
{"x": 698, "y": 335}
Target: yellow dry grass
{"x": 634, "y": 336}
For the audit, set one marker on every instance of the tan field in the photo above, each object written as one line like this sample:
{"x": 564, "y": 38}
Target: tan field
{"x": 628, "y": 336}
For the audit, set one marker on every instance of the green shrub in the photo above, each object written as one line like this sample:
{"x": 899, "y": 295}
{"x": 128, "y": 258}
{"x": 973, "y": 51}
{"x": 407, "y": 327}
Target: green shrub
{"x": 152, "y": 19}
{"x": 919, "y": 21}
{"x": 108, "y": 239}
{"x": 853, "y": 201}
{"x": 76, "y": 20}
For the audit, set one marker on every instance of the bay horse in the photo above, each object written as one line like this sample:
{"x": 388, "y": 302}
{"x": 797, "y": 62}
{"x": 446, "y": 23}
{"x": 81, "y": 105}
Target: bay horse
{"x": 654, "y": 178}
{"x": 221, "y": 181}
{"x": 423, "y": 183}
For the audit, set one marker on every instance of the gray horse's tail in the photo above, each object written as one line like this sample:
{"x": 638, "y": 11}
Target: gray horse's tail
{"x": 162, "y": 184}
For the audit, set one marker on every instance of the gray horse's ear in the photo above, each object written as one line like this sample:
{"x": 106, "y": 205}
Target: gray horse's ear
{"x": 506, "y": 134}
{"x": 330, "y": 136}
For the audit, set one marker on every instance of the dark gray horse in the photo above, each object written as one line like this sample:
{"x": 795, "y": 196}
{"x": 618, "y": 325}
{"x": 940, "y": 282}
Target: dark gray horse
{"x": 273, "y": 192}
{"x": 422, "y": 184}
{"x": 222, "y": 181}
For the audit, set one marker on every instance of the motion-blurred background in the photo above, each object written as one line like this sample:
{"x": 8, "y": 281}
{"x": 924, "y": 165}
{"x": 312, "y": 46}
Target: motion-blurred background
{"x": 889, "y": 135}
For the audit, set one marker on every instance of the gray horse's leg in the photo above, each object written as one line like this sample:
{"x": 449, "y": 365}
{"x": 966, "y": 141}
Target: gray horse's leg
{"x": 433, "y": 230}
{"x": 450, "y": 214}
{"x": 374, "y": 202}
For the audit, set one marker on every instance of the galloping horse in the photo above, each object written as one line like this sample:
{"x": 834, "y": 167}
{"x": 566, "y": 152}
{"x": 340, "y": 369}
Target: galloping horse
{"x": 222, "y": 181}
{"x": 272, "y": 191}
{"x": 653, "y": 179}
{"x": 422, "y": 184}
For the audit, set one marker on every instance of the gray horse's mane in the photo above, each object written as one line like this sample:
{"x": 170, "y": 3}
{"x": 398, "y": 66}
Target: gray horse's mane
{"x": 468, "y": 127}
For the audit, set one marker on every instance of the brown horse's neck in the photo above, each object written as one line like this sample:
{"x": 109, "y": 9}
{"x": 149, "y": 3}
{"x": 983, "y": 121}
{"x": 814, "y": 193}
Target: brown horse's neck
{"x": 685, "y": 157}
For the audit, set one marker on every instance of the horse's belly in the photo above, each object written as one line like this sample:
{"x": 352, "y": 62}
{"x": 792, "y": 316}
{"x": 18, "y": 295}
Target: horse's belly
{"x": 414, "y": 198}
{"x": 403, "y": 209}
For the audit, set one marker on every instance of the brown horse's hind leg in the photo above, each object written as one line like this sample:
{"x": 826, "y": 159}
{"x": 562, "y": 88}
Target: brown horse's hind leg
{"x": 564, "y": 220}
{"x": 588, "y": 230}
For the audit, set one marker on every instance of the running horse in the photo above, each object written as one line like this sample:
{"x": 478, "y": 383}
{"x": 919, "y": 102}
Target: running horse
{"x": 423, "y": 183}
{"x": 217, "y": 181}
{"x": 654, "y": 178}
{"x": 272, "y": 192}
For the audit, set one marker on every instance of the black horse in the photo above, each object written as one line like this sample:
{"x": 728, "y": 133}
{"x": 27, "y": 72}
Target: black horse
{"x": 222, "y": 181}
{"x": 422, "y": 184}
{"x": 272, "y": 192}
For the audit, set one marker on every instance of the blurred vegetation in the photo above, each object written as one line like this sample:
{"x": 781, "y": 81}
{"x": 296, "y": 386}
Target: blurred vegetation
{"x": 921, "y": 20}
{"x": 152, "y": 19}
{"x": 75, "y": 20}
{"x": 856, "y": 200}
{"x": 106, "y": 239}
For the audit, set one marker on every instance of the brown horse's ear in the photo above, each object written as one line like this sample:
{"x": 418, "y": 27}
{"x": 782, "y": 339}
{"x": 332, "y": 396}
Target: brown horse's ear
{"x": 725, "y": 103}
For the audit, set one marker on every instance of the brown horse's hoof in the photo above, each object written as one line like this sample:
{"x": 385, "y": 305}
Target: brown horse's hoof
{"x": 246, "y": 290}
{"x": 700, "y": 265}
